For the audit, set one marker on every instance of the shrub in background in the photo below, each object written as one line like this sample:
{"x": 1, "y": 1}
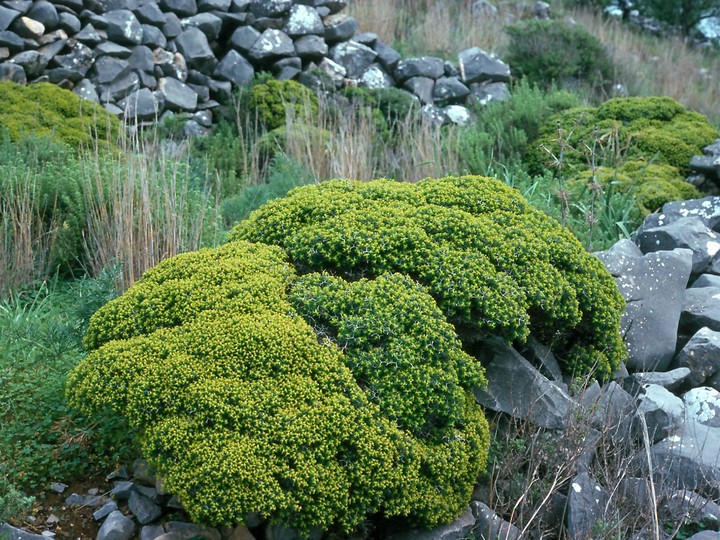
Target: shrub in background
{"x": 270, "y": 99}
{"x": 46, "y": 109}
{"x": 553, "y": 51}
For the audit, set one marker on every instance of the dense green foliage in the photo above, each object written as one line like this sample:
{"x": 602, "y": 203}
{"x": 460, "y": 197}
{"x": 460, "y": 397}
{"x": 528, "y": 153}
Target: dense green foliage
{"x": 685, "y": 14}
{"x": 242, "y": 408}
{"x": 46, "y": 109}
{"x": 553, "y": 51}
{"x": 271, "y": 100}
{"x": 493, "y": 264}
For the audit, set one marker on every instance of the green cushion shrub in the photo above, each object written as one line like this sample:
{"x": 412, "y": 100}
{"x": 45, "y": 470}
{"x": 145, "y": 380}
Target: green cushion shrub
{"x": 309, "y": 400}
{"x": 44, "y": 109}
{"x": 554, "y": 51}
{"x": 272, "y": 98}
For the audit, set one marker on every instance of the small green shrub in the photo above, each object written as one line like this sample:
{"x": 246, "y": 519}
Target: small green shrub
{"x": 361, "y": 407}
{"x": 44, "y": 109}
{"x": 272, "y": 98}
{"x": 553, "y": 51}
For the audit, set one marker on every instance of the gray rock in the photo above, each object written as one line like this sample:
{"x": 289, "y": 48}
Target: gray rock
{"x": 422, "y": 88}
{"x": 434, "y": 115}
{"x": 116, "y": 527}
{"x": 311, "y": 47}
{"x": 244, "y": 38}
{"x": 90, "y": 36}
{"x": 7, "y": 17}
{"x": 654, "y": 288}
{"x": 142, "y": 105}
{"x": 188, "y": 530}
{"x": 302, "y": 21}
{"x": 108, "y": 69}
{"x": 121, "y": 490}
{"x": 270, "y": 8}
{"x": 667, "y": 379}
{"x": 701, "y": 355}
{"x": 8, "y": 532}
{"x": 449, "y": 90}
{"x": 193, "y": 44}
{"x": 663, "y": 412}
{"x": 79, "y": 60}
{"x": 354, "y": 57}
{"x": 490, "y": 526}
{"x": 69, "y": 22}
{"x": 517, "y": 388}
{"x": 45, "y": 13}
{"x": 708, "y": 166}
{"x": 123, "y": 27}
{"x": 691, "y": 506}
{"x": 484, "y": 93}
{"x": 688, "y": 232}
{"x": 339, "y": 28}
{"x": 150, "y": 13}
{"x": 85, "y": 500}
{"x": 28, "y": 28}
{"x": 375, "y": 77}
{"x": 366, "y": 38}
{"x": 151, "y": 532}
{"x": 707, "y": 209}
{"x": 235, "y": 68}
{"x": 286, "y": 68}
{"x": 182, "y": 8}
{"x": 705, "y": 535}
{"x": 272, "y": 44}
{"x": 108, "y": 48}
{"x": 545, "y": 359}
{"x": 32, "y": 62}
{"x": 706, "y": 280}
{"x": 142, "y": 59}
{"x": 702, "y": 405}
{"x": 105, "y": 510}
{"x": 86, "y": 90}
{"x": 209, "y": 24}
{"x": 457, "y": 530}
{"x": 586, "y": 506}
{"x": 144, "y": 510}
{"x": 172, "y": 27}
{"x": 425, "y": 66}
{"x": 387, "y": 56}
{"x": 700, "y": 309}
{"x": 610, "y": 411}
{"x": 478, "y": 66}
{"x": 12, "y": 41}
{"x": 457, "y": 114}
{"x": 178, "y": 96}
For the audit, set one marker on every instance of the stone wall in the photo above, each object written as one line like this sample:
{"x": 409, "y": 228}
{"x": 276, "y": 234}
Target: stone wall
{"x": 140, "y": 58}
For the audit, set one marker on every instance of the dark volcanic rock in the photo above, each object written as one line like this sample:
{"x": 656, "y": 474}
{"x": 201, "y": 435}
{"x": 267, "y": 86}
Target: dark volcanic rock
{"x": 235, "y": 68}
{"x": 478, "y": 66}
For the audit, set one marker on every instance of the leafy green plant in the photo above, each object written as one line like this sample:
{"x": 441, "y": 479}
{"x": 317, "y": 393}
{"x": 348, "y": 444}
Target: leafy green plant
{"x": 553, "y": 51}
{"x": 271, "y": 99}
{"x": 14, "y": 504}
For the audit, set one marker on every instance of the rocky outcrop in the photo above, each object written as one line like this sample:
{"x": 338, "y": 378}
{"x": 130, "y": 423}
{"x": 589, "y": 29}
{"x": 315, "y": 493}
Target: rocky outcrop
{"x": 141, "y": 58}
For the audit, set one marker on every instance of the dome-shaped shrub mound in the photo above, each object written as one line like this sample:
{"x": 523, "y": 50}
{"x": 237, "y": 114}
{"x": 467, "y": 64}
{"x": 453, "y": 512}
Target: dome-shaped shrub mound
{"x": 493, "y": 264}
{"x": 311, "y": 401}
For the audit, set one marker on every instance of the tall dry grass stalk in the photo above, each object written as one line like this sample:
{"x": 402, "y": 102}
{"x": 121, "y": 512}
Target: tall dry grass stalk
{"x": 141, "y": 208}
{"x": 666, "y": 66}
{"x": 26, "y": 236}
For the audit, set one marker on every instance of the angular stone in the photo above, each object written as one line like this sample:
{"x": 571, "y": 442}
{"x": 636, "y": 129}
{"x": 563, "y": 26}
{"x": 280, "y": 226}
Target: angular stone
{"x": 434, "y": 115}
{"x": 150, "y": 13}
{"x": 457, "y": 530}
{"x": 178, "y": 96}
{"x": 153, "y": 37}
{"x": 182, "y": 8}
{"x": 449, "y": 90}
{"x": 478, "y": 66}
{"x": 654, "y": 288}
{"x": 303, "y": 20}
{"x": 707, "y": 209}
{"x": 701, "y": 355}
{"x": 144, "y": 510}
{"x": 491, "y": 526}
{"x": 86, "y": 90}
{"x": 311, "y": 47}
{"x": 244, "y": 38}
{"x": 119, "y": 88}
{"x": 702, "y": 405}
{"x": 123, "y": 27}
{"x": 214, "y": 5}
{"x": 13, "y": 73}
{"x": 425, "y": 66}
{"x": 186, "y": 530}
{"x": 142, "y": 105}
{"x": 610, "y": 411}
{"x": 105, "y": 510}
{"x": 387, "y": 56}
{"x": 375, "y": 77}
{"x": 484, "y": 93}
{"x": 457, "y": 114}
{"x": 69, "y": 22}
{"x": 7, "y": 17}
{"x": 708, "y": 166}
{"x": 78, "y": 61}
{"x": 586, "y": 506}
{"x": 366, "y": 38}
{"x": 172, "y": 27}
{"x": 421, "y": 87}
{"x": 340, "y": 28}
{"x": 235, "y": 68}
{"x": 270, "y": 8}
{"x": 32, "y": 62}
{"x": 28, "y": 28}
{"x": 693, "y": 506}
{"x": 354, "y": 57}
{"x": 95, "y": 19}
{"x": 701, "y": 308}
{"x": 8, "y": 532}
{"x": 12, "y": 41}
{"x": 667, "y": 379}
{"x": 45, "y": 13}
{"x": 85, "y": 500}
{"x": 207, "y": 22}
{"x": 108, "y": 69}
{"x": 90, "y": 36}
{"x": 116, "y": 527}
{"x": 663, "y": 411}
{"x": 193, "y": 44}
{"x": 687, "y": 232}
{"x": 517, "y": 388}
{"x": 272, "y": 44}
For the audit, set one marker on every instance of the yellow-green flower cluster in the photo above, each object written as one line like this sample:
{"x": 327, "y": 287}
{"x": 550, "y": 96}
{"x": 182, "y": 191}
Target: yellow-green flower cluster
{"x": 243, "y": 407}
{"x": 493, "y": 264}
